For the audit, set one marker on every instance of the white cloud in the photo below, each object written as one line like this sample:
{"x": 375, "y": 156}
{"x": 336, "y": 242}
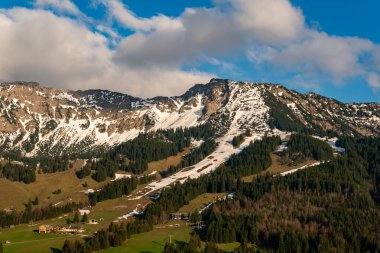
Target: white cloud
{"x": 200, "y": 35}
{"x": 210, "y": 32}
{"x": 64, "y": 6}
{"x": 374, "y": 80}
{"x": 126, "y": 17}
{"x": 269, "y": 21}
{"x": 40, "y": 46}
{"x": 320, "y": 52}
{"x": 260, "y": 54}
{"x": 66, "y": 52}
{"x": 377, "y": 57}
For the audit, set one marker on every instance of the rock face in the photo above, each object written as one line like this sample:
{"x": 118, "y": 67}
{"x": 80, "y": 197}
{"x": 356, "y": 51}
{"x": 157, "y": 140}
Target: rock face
{"x": 37, "y": 119}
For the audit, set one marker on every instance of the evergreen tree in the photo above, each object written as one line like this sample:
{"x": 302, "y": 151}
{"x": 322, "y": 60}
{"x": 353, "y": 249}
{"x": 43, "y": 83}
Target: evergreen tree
{"x": 68, "y": 247}
{"x": 36, "y": 201}
{"x": 113, "y": 190}
{"x": 85, "y": 218}
{"x": 20, "y": 173}
{"x": 195, "y": 241}
{"x": 76, "y": 217}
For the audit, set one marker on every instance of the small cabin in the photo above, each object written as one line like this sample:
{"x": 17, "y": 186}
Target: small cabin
{"x": 84, "y": 211}
{"x": 92, "y": 222}
{"x": 45, "y": 229}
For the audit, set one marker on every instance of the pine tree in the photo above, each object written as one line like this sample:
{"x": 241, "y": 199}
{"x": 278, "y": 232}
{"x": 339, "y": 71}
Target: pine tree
{"x": 84, "y": 218}
{"x": 195, "y": 242}
{"x": 68, "y": 247}
{"x": 76, "y": 217}
{"x": 36, "y": 201}
{"x": 95, "y": 243}
{"x": 28, "y": 206}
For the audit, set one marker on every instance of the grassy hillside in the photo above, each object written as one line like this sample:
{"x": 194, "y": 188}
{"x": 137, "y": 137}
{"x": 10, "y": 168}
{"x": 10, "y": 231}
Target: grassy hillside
{"x": 154, "y": 241}
{"x": 166, "y": 163}
{"x": 17, "y": 193}
{"x": 200, "y": 202}
{"x": 277, "y": 168}
{"x": 23, "y": 239}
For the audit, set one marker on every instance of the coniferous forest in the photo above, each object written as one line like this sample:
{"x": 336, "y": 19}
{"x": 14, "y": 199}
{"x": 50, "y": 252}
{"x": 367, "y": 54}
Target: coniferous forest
{"x": 134, "y": 155}
{"x": 17, "y": 172}
{"x": 332, "y": 207}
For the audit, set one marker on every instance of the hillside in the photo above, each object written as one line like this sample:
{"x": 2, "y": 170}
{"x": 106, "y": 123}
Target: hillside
{"x": 41, "y": 120}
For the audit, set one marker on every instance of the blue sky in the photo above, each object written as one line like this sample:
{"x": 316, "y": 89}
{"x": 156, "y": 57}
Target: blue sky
{"x": 162, "y": 47}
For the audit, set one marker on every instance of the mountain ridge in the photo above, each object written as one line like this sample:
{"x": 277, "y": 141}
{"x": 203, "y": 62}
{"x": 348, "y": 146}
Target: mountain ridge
{"x": 42, "y": 120}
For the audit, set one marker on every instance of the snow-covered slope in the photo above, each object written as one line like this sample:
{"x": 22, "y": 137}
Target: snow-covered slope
{"x": 39, "y": 119}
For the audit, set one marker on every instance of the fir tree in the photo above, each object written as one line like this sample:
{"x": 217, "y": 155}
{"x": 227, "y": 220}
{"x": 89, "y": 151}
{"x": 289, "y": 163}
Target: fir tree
{"x": 76, "y": 217}
{"x": 84, "y": 218}
{"x": 36, "y": 201}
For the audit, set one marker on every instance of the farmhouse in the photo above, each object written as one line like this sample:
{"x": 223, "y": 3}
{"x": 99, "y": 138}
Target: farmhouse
{"x": 45, "y": 229}
{"x": 179, "y": 216}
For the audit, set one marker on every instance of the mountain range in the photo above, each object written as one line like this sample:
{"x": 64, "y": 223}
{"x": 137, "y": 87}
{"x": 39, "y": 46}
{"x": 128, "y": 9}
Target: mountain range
{"x": 42, "y": 120}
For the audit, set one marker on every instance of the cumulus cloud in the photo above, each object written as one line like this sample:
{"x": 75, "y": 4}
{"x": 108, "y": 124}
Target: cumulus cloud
{"x": 200, "y": 35}
{"x": 374, "y": 80}
{"x": 320, "y": 52}
{"x": 126, "y": 17}
{"x": 270, "y": 21}
{"x": 213, "y": 32}
{"x": 377, "y": 58}
{"x": 78, "y": 52}
{"x": 38, "y": 45}
{"x": 64, "y": 6}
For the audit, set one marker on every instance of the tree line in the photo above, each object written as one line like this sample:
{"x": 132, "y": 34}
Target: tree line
{"x": 24, "y": 169}
{"x": 134, "y": 155}
{"x": 118, "y": 188}
{"x": 237, "y": 140}
{"x": 196, "y": 155}
{"x": 17, "y": 172}
{"x": 302, "y": 147}
{"x": 254, "y": 158}
{"x": 147, "y": 147}
{"x": 23, "y": 217}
